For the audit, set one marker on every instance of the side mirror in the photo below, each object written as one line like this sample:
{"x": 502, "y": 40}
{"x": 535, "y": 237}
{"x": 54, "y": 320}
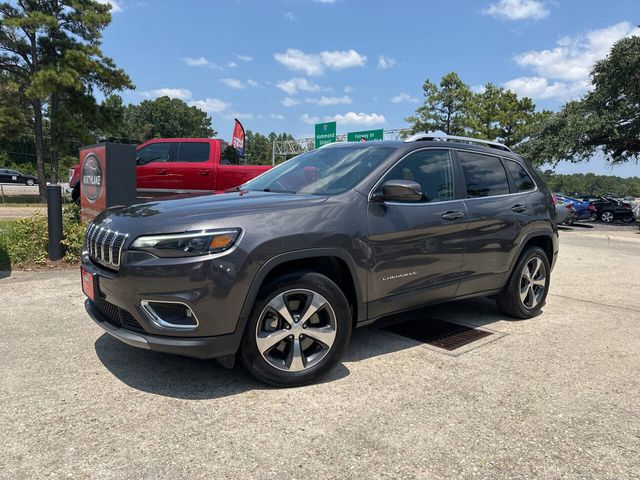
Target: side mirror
{"x": 399, "y": 191}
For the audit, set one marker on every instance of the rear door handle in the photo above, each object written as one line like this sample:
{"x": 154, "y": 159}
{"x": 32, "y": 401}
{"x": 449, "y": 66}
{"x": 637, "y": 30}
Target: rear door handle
{"x": 519, "y": 208}
{"x": 452, "y": 215}
{"x": 161, "y": 172}
{"x": 204, "y": 172}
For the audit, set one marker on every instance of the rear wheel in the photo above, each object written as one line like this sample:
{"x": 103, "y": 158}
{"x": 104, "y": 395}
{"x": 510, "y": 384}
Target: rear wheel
{"x": 606, "y": 217}
{"x": 30, "y": 182}
{"x": 526, "y": 291}
{"x": 299, "y": 329}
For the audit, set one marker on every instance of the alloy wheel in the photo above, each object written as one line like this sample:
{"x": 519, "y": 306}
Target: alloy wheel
{"x": 532, "y": 283}
{"x": 607, "y": 217}
{"x": 296, "y": 330}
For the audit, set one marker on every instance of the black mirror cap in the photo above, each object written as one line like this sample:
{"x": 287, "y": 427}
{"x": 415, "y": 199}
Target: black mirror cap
{"x": 400, "y": 191}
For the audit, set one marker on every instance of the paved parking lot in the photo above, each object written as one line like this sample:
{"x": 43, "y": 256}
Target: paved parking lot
{"x": 555, "y": 397}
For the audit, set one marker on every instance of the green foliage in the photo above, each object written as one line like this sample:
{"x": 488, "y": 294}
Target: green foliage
{"x": 591, "y": 184}
{"x": 446, "y": 107}
{"x": 606, "y": 119}
{"x": 258, "y": 148}
{"x": 25, "y": 241}
{"x": 165, "y": 117}
{"x": 493, "y": 113}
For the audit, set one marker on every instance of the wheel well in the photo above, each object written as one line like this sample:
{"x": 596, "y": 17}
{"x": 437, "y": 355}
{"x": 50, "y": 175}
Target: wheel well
{"x": 333, "y": 267}
{"x": 544, "y": 242}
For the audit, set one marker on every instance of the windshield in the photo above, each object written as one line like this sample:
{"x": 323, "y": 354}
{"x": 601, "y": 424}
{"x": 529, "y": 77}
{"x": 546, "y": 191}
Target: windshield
{"x": 326, "y": 171}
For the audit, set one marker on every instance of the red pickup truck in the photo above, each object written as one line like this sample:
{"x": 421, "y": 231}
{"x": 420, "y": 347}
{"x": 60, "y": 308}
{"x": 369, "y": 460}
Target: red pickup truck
{"x": 181, "y": 165}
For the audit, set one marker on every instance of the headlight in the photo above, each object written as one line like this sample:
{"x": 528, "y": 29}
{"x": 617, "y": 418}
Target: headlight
{"x": 187, "y": 244}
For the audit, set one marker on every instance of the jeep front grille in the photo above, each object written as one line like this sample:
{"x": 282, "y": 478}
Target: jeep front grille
{"x": 104, "y": 245}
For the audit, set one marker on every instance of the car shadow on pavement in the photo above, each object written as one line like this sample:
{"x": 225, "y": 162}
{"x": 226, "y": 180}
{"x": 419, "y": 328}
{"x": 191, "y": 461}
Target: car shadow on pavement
{"x": 180, "y": 377}
{"x": 193, "y": 379}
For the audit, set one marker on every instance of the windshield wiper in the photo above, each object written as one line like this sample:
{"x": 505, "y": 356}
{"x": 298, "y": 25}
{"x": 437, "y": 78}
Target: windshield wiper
{"x": 273, "y": 190}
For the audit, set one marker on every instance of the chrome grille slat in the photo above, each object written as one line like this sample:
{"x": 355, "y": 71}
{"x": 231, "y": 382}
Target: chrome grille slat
{"x": 104, "y": 245}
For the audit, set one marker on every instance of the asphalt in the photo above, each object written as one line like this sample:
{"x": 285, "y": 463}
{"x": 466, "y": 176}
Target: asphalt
{"x": 555, "y": 397}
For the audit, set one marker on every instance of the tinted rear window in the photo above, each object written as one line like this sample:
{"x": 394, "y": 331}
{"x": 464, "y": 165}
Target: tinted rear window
{"x": 519, "y": 175}
{"x": 193, "y": 152}
{"x": 484, "y": 175}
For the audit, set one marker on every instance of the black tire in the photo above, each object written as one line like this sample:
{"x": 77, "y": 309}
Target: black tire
{"x": 509, "y": 300}
{"x": 30, "y": 183}
{"x": 628, "y": 219}
{"x": 263, "y": 370}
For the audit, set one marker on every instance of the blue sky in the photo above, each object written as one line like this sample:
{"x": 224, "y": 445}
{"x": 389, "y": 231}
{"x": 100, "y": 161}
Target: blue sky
{"x": 282, "y": 65}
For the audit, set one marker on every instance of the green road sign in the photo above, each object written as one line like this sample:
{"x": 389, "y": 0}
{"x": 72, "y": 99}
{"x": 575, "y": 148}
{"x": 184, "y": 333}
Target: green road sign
{"x": 325, "y": 133}
{"x": 365, "y": 135}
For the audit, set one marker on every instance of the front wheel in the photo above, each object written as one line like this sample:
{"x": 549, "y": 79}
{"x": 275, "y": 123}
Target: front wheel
{"x": 526, "y": 291}
{"x": 299, "y": 329}
{"x": 30, "y": 182}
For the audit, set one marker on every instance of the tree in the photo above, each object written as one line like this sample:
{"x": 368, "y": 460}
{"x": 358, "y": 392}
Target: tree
{"x": 446, "y": 107}
{"x": 229, "y": 155}
{"x": 166, "y": 117}
{"x": 606, "y": 119}
{"x": 49, "y": 48}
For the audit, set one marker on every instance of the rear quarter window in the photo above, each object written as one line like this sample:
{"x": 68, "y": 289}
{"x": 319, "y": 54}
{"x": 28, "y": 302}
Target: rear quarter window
{"x": 519, "y": 175}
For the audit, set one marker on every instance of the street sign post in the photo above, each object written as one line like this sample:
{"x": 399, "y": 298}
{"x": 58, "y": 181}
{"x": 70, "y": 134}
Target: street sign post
{"x": 365, "y": 135}
{"x": 325, "y": 133}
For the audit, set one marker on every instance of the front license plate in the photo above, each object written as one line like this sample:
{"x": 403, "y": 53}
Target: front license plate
{"x": 89, "y": 281}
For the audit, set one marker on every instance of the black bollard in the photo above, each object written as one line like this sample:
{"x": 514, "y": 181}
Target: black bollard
{"x": 54, "y": 221}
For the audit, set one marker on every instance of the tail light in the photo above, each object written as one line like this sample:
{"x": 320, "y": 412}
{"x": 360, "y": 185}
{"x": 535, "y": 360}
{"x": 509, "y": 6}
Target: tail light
{"x": 591, "y": 208}
{"x": 627, "y": 206}
{"x": 555, "y": 199}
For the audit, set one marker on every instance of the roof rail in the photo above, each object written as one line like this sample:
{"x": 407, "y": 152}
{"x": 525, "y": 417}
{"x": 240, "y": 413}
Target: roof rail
{"x": 445, "y": 138}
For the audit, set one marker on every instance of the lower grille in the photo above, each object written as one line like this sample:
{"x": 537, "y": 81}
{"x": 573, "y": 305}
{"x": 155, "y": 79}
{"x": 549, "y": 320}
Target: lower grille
{"x": 118, "y": 317}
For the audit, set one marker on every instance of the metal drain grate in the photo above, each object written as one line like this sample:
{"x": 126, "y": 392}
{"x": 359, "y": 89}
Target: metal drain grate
{"x": 445, "y": 335}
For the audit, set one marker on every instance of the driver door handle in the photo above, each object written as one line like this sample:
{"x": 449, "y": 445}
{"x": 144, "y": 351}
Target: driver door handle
{"x": 452, "y": 215}
{"x": 519, "y": 208}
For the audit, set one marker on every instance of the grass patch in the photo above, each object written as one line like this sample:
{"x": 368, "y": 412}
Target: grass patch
{"x": 24, "y": 241}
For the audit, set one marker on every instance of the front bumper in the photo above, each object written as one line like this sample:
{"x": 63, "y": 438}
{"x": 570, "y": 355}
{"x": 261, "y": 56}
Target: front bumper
{"x": 199, "y": 347}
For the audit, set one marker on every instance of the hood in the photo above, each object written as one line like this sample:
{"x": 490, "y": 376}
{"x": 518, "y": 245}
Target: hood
{"x": 175, "y": 215}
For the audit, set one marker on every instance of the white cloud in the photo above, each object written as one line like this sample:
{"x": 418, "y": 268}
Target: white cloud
{"x": 195, "y": 61}
{"x": 253, "y": 83}
{"x": 351, "y": 118}
{"x": 404, "y": 98}
{"x": 231, "y": 65}
{"x": 517, "y": 9}
{"x": 316, "y": 63}
{"x": 179, "y": 93}
{"x": 240, "y": 116}
{"x": 244, "y": 58}
{"x": 386, "y": 62}
{"x": 324, "y": 101}
{"x": 290, "y": 102}
{"x": 210, "y": 105}
{"x": 325, "y": 1}
{"x": 294, "y": 85}
{"x": 348, "y": 89}
{"x": 290, "y": 16}
{"x": 562, "y": 72}
{"x": 306, "y": 118}
{"x": 360, "y": 118}
{"x": 276, "y": 116}
{"x": 233, "y": 83}
{"x": 116, "y": 5}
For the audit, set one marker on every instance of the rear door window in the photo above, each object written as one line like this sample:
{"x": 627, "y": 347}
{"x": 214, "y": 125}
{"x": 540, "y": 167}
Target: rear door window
{"x": 193, "y": 152}
{"x": 519, "y": 175}
{"x": 484, "y": 175}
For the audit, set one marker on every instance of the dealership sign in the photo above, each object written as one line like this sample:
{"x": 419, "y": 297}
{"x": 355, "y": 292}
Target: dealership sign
{"x": 325, "y": 133}
{"x": 92, "y": 177}
{"x": 365, "y": 135}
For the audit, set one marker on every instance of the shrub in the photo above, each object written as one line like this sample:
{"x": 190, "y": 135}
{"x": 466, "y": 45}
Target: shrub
{"x": 25, "y": 241}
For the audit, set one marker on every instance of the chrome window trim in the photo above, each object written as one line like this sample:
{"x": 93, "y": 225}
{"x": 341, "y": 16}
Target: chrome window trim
{"x": 164, "y": 325}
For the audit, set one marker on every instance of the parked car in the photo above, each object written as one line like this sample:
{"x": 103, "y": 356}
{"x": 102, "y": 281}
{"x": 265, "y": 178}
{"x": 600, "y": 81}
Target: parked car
{"x": 583, "y": 210}
{"x": 8, "y": 175}
{"x": 610, "y": 209}
{"x": 566, "y": 214}
{"x": 282, "y": 269}
{"x": 181, "y": 165}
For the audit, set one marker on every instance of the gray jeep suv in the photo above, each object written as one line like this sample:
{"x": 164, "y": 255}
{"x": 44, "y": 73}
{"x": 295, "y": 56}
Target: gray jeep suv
{"x": 280, "y": 270}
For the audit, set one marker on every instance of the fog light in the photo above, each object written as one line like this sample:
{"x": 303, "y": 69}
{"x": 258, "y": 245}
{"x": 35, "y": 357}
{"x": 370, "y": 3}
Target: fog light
{"x": 170, "y": 315}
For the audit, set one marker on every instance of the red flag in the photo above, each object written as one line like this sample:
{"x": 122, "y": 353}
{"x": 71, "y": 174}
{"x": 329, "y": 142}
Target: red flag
{"x": 238, "y": 138}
